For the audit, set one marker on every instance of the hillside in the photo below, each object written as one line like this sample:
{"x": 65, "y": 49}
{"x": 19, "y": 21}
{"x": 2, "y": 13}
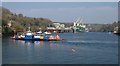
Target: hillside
{"x": 21, "y": 23}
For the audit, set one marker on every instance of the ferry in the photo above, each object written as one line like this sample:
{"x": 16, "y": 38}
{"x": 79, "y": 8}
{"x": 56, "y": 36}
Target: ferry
{"x": 39, "y": 36}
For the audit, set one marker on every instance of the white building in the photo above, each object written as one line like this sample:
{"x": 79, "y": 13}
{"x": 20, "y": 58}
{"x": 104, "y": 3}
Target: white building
{"x": 59, "y": 25}
{"x": 62, "y": 25}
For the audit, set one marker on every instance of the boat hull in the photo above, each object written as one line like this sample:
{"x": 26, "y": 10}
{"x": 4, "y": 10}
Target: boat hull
{"x": 41, "y": 39}
{"x": 34, "y": 39}
{"x": 37, "y": 38}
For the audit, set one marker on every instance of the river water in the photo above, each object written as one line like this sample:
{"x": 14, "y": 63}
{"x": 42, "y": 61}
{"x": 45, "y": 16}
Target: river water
{"x": 79, "y": 48}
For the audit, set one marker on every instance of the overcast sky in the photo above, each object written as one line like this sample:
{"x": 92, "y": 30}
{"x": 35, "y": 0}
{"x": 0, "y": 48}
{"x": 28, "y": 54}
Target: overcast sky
{"x": 90, "y": 12}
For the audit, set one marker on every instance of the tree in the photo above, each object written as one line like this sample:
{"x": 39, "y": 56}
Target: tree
{"x": 21, "y": 22}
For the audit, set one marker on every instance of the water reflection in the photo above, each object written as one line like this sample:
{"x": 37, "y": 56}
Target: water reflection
{"x": 36, "y": 43}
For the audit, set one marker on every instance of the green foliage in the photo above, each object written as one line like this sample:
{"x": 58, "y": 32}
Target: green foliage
{"x": 7, "y": 31}
{"x": 103, "y": 27}
{"x": 34, "y": 29}
{"x": 21, "y": 23}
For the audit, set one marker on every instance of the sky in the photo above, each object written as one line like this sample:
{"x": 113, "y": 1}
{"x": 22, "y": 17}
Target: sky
{"x": 59, "y": 0}
{"x": 89, "y": 12}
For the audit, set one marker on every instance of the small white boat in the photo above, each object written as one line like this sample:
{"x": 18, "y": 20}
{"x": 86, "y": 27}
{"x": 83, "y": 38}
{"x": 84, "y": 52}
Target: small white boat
{"x": 47, "y": 32}
{"x": 39, "y": 32}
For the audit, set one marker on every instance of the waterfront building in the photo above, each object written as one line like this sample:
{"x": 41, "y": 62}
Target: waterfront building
{"x": 59, "y": 25}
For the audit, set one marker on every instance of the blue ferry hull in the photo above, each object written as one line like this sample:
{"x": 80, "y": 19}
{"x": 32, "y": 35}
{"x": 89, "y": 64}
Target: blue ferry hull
{"x": 29, "y": 39}
{"x": 32, "y": 38}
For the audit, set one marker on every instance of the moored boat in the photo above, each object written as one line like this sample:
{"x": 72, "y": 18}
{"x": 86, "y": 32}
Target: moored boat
{"x": 78, "y": 26}
{"x": 116, "y": 31}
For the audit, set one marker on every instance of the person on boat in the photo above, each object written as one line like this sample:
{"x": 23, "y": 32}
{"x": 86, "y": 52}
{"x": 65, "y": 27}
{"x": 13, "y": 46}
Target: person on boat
{"x": 57, "y": 37}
